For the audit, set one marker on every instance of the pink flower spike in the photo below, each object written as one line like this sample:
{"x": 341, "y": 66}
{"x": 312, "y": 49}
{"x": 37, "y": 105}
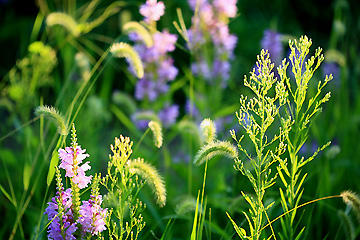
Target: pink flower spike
{"x": 152, "y": 10}
{"x": 72, "y": 165}
{"x": 85, "y": 166}
{"x": 66, "y": 155}
{"x": 69, "y": 170}
{"x": 81, "y": 180}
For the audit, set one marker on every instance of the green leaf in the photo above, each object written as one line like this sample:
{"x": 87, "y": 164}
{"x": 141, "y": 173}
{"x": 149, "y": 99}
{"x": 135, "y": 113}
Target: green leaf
{"x": 240, "y": 231}
{"x": 300, "y": 184}
{"x": 193, "y": 233}
{"x": 27, "y": 176}
{"x": 283, "y": 201}
{"x": 168, "y": 226}
{"x": 300, "y": 233}
{"x": 54, "y": 162}
{"x": 282, "y": 177}
{"x": 6, "y": 194}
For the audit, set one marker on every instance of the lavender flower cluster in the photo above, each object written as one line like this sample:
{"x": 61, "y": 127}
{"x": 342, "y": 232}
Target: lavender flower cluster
{"x": 158, "y": 65}
{"x": 60, "y": 209}
{"x": 210, "y": 27}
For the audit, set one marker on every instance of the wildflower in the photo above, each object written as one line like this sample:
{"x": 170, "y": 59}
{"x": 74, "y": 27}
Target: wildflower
{"x": 167, "y": 70}
{"x": 221, "y": 69}
{"x": 210, "y": 28}
{"x": 159, "y": 67}
{"x": 226, "y": 7}
{"x": 168, "y": 115}
{"x": 70, "y": 161}
{"x": 207, "y": 15}
{"x": 152, "y": 10}
{"x": 201, "y": 68}
{"x": 145, "y": 88}
{"x": 271, "y": 41}
{"x": 63, "y": 225}
{"x": 194, "y": 3}
{"x": 92, "y": 216}
{"x": 164, "y": 42}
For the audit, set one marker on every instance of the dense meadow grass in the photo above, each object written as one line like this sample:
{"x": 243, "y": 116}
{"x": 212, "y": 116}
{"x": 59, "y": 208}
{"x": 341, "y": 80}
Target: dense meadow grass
{"x": 176, "y": 119}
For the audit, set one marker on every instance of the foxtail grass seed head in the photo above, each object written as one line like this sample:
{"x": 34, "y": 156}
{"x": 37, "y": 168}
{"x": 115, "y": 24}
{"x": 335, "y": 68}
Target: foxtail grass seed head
{"x": 124, "y": 50}
{"x": 52, "y": 114}
{"x": 208, "y": 128}
{"x": 352, "y": 200}
{"x": 142, "y": 32}
{"x": 64, "y": 20}
{"x": 150, "y": 174}
{"x": 218, "y": 148}
{"x": 157, "y": 132}
{"x": 186, "y": 205}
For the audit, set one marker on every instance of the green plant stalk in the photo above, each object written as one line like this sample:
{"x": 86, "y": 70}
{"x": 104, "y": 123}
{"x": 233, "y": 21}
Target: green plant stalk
{"x": 302, "y": 116}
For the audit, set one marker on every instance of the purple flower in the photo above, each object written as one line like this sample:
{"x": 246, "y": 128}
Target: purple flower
{"x": 271, "y": 41}
{"x": 193, "y": 3}
{"x": 201, "y": 68}
{"x": 67, "y": 226}
{"x": 147, "y": 55}
{"x": 152, "y": 10}
{"x": 221, "y": 69}
{"x": 207, "y": 15}
{"x": 196, "y": 39}
{"x": 161, "y": 86}
{"x": 145, "y": 89}
{"x": 167, "y": 70}
{"x": 92, "y": 216}
{"x": 223, "y": 40}
{"x": 168, "y": 115}
{"x": 227, "y": 7}
{"x": 159, "y": 68}
{"x": 70, "y": 161}
{"x": 164, "y": 42}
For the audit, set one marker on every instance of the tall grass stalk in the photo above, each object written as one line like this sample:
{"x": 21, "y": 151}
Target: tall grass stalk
{"x": 257, "y": 116}
{"x": 302, "y": 109}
